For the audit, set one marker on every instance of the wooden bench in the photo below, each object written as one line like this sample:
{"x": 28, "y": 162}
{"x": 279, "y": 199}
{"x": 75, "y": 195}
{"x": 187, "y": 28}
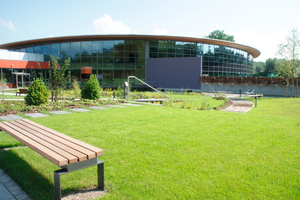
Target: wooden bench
{"x": 64, "y": 151}
{"x": 22, "y": 91}
{"x": 151, "y": 100}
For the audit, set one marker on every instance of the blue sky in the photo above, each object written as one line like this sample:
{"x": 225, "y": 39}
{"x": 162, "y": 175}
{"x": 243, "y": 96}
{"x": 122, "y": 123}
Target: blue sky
{"x": 261, "y": 24}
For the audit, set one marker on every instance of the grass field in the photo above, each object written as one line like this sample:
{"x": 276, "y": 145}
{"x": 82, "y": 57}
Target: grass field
{"x": 154, "y": 152}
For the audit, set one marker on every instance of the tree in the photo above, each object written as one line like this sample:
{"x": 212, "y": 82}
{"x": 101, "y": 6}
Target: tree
{"x": 58, "y": 79}
{"x": 270, "y": 66}
{"x": 289, "y": 52}
{"x": 258, "y": 67}
{"x": 220, "y": 35}
{"x": 284, "y": 70}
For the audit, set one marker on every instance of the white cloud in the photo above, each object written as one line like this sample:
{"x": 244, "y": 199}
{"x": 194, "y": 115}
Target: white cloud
{"x": 159, "y": 32}
{"x": 266, "y": 41}
{"x": 7, "y": 24}
{"x": 106, "y": 25}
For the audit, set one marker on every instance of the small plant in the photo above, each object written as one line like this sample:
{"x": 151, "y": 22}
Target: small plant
{"x": 91, "y": 89}
{"x": 37, "y": 93}
{"x": 120, "y": 92}
{"x": 220, "y": 96}
{"x": 189, "y": 106}
{"x": 167, "y": 103}
{"x": 122, "y": 101}
{"x": 76, "y": 88}
{"x": 183, "y": 105}
{"x": 205, "y": 105}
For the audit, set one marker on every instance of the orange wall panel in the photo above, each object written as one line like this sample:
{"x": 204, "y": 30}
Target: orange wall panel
{"x": 86, "y": 70}
{"x": 22, "y": 64}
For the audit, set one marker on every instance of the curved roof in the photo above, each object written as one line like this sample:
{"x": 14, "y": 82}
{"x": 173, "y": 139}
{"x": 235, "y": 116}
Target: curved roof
{"x": 254, "y": 52}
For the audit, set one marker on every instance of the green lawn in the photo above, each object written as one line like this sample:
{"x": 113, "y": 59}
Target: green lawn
{"x": 154, "y": 152}
{"x": 10, "y": 97}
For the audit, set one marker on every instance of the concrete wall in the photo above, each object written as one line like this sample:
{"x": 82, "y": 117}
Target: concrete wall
{"x": 267, "y": 90}
{"x": 174, "y": 72}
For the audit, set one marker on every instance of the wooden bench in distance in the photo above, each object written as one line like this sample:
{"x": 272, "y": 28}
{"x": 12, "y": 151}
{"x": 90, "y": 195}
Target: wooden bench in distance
{"x": 22, "y": 91}
{"x": 64, "y": 151}
{"x": 151, "y": 100}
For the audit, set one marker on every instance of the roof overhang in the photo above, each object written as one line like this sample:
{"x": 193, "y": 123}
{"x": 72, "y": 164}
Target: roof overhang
{"x": 254, "y": 52}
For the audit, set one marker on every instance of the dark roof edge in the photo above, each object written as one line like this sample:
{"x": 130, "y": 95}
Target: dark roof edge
{"x": 254, "y": 52}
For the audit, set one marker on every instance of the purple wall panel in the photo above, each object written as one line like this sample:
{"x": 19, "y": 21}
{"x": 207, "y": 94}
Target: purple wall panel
{"x": 174, "y": 72}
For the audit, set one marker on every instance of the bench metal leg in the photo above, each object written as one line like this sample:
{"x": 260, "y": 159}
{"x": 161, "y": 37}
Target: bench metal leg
{"x": 100, "y": 168}
{"x": 58, "y": 173}
{"x": 57, "y": 185}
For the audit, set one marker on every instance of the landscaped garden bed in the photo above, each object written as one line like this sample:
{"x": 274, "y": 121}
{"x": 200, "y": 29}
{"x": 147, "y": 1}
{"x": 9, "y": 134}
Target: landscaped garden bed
{"x": 16, "y": 107}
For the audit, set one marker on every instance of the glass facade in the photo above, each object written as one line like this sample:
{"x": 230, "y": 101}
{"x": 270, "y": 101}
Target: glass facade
{"x": 114, "y": 60}
{"x": 111, "y": 60}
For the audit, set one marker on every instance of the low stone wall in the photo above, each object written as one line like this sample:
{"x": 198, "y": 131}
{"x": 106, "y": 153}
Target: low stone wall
{"x": 266, "y": 90}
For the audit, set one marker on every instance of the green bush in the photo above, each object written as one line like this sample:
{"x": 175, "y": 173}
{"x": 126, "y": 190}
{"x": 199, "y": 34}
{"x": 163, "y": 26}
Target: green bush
{"x": 91, "y": 89}
{"x": 37, "y": 93}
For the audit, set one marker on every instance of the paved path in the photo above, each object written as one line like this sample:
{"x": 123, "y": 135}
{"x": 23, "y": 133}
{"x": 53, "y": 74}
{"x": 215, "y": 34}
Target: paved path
{"x": 9, "y": 189}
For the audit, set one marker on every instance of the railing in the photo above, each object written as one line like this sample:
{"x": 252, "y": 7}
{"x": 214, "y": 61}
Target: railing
{"x": 248, "y": 80}
{"x": 146, "y": 85}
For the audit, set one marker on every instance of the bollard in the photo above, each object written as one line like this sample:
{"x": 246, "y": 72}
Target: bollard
{"x": 126, "y": 91}
{"x": 240, "y": 93}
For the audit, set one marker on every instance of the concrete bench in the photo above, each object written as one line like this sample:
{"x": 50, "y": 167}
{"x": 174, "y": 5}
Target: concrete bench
{"x": 22, "y": 91}
{"x": 151, "y": 100}
{"x": 64, "y": 151}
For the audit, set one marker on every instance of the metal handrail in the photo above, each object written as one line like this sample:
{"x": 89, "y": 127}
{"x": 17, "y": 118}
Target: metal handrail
{"x": 148, "y": 86}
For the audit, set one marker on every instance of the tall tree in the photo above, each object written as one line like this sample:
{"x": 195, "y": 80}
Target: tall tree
{"x": 58, "y": 77}
{"x": 289, "y": 52}
{"x": 220, "y": 35}
{"x": 270, "y": 66}
{"x": 259, "y": 68}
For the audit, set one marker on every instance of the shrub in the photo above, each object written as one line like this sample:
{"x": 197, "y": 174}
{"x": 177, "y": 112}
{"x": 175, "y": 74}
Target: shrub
{"x": 37, "y": 93}
{"x": 91, "y": 89}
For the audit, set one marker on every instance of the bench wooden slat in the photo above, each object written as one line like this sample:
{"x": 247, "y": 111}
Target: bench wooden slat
{"x": 97, "y": 151}
{"x": 42, "y": 140}
{"x": 89, "y": 154}
{"x": 47, "y": 153}
{"x": 47, "y": 136}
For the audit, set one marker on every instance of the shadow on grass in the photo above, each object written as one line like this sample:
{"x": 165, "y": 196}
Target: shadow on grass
{"x": 31, "y": 181}
{"x": 10, "y": 146}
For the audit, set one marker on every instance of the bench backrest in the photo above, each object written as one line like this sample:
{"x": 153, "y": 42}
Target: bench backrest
{"x": 23, "y": 91}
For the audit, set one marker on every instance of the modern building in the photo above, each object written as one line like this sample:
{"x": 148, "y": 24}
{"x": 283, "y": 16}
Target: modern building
{"x": 161, "y": 61}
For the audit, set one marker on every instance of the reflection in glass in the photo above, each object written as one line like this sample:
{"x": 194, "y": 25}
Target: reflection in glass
{"x": 140, "y": 45}
{"x": 97, "y": 46}
{"x": 108, "y": 46}
{"x": 65, "y": 47}
{"x": 29, "y": 49}
{"x": 86, "y": 46}
{"x": 75, "y": 46}
{"x": 55, "y": 48}
{"x": 37, "y": 49}
{"x": 153, "y": 43}
{"x": 129, "y": 45}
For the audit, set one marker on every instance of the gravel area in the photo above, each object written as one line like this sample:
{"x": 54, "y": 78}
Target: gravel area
{"x": 239, "y": 106}
{"x": 84, "y": 194}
